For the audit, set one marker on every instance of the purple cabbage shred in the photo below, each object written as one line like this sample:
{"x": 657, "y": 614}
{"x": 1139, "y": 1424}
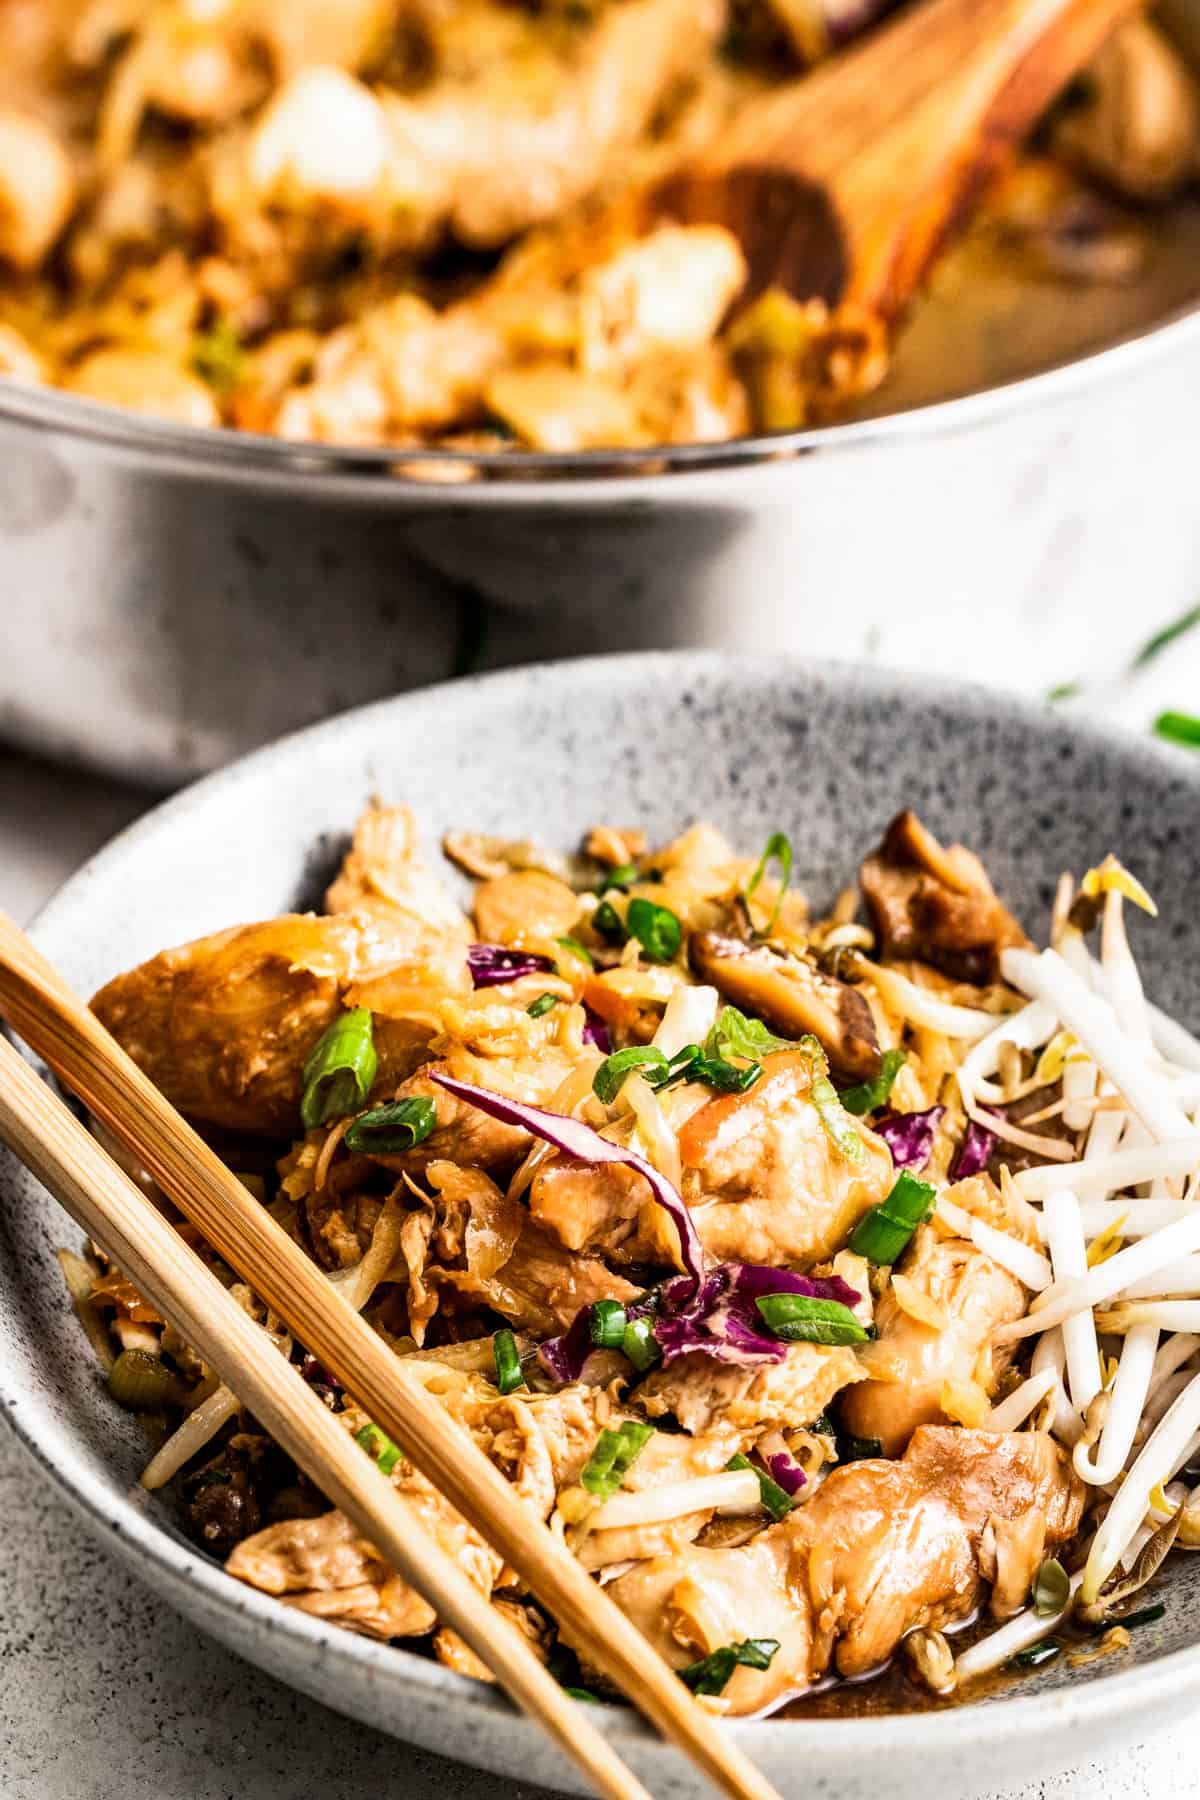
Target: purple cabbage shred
{"x": 975, "y": 1151}
{"x": 492, "y": 964}
{"x": 909, "y": 1136}
{"x": 596, "y": 1032}
{"x": 786, "y": 1472}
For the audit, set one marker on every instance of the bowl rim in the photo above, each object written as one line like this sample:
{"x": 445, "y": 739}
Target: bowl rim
{"x": 405, "y": 471}
{"x": 128, "y": 1527}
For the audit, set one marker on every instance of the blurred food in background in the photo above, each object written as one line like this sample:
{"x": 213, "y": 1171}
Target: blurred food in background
{"x": 419, "y": 222}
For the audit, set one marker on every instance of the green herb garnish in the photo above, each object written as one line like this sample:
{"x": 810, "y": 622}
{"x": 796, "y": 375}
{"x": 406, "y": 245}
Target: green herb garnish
{"x": 1150, "y": 649}
{"x": 1178, "y": 728}
{"x": 537, "y": 1009}
{"x": 340, "y": 1069}
{"x": 620, "y": 877}
{"x": 798, "y": 1318}
{"x": 883, "y": 1234}
{"x": 508, "y": 1362}
{"x": 710, "y": 1675}
{"x": 640, "y": 1345}
{"x": 1064, "y": 690}
{"x": 777, "y": 849}
{"x": 857, "y": 1449}
{"x": 612, "y": 1458}
{"x": 573, "y": 947}
{"x": 607, "y": 921}
{"x": 217, "y": 356}
{"x": 836, "y": 1120}
{"x": 1036, "y": 1654}
{"x": 656, "y": 929}
{"x": 1051, "y": 1588}
{"x": 775, "y": 1499}
{"x": 647, "y": 1059}
{"x": 386, "y": 1130}
{"x": 869, "y": 1096}
{"x": 372, "y": 1439}
{"x": 607, "y": 1324}
{"x": 577, "y": 1693}
{"x": 1148, "y": 1615}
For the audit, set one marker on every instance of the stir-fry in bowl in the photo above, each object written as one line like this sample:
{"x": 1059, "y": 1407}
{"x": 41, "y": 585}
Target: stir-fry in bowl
{"x": 827, "y": 1282}
{"x": 413, "y": 223}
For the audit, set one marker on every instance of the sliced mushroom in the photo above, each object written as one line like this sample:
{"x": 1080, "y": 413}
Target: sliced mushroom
{"x": 791, "y": 996}
{"x": 1136, "y": 124}
{"x": 936, "y": 904}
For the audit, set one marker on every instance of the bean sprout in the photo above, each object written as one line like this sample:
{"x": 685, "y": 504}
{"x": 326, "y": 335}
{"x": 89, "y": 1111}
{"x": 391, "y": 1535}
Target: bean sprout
{"x": 1028, "y": 1265}
{"x": 1069, "y": 1257}
{"x": 1126, "y": 1401}
{"x": 1161, "y": 1456}
{"x": 1107, "y": 1174}
{"x": 1022, "y": 1402}
{"x": 1001, "y": 1646}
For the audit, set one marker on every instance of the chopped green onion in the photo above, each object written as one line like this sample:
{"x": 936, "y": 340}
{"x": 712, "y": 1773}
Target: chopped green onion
{"x": 1051, "y": 1588}
{"x": 612, "y": 1458}
{"x": 508, "y": 1362}
{"x": 575, "y": 1693}
{"x": 1148, "y": 1615}
{"x": 1178, "y": 728}
{"x": 868, "y": 1096}
{"x": 1064, "y": 690}
{"x": 217, "y": 356}
{"x": 711, "y": 1673}
{"x": 836, "y": 1120}
{"x": 798, "y": 1318}
{"x": 620, "y": 877}
{"x": 883, "y": 1234}
{"x": 141, "y": 1382}
{"x": 640, "y": 1345}
{"x": 858, "y": 1449}
{"x": 1185, "y": 622}
{"x": 726, "y": 1077}
{"x": 1036, "y": 1654}
{"x": 389, "y": 1454}
{"x": 777, "y": 849}
{"x": 822, "y": 1426}
{"x": 391, "y": 1128}
{"x": 736, "y": 1035}
{"x": 607, "y": 921}
{"x": 656, "y": 929}
{"x": 340, "y": 1069}
{"x": 606, "y": 1082}
{"x": 573, "y": 947}
{"x": 778, "y": 1503}
{"x": 607, "y": 1324}
{"x": 538, "y": 1008}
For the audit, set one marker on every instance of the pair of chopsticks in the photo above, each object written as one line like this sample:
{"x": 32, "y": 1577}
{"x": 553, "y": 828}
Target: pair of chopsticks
{"x": 41, "y": 1130}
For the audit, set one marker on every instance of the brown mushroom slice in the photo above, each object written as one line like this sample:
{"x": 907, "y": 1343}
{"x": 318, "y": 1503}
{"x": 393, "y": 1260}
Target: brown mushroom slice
{"x": 791, "y": 996}
{"x": 936, "y": 904}
{"x": 1136, "y": 124}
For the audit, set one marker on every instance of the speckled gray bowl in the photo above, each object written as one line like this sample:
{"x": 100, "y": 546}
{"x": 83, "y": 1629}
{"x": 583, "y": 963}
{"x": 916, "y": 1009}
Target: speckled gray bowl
{"x": 827, "y": 753}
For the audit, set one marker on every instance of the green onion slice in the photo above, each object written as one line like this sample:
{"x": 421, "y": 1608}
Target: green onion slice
{"x": 388, "y": 1129}
{"x": 1151, "y": 648}
{"x": 710, "y": 1675}
{"x": 869, "y": 1096}
{"x": 607, "y": 1324}
{"x": 778, "y": 1503}
{"x": 508, "y": 1362}
{"x": 1051, "y": 1588}
{"x": 640, "y": 1345}
{"x": 340, "y": 1069}
{"x": 573, "y": 947}
{"x": 777, "y": 849}
{"x": 1036, "y": 1654}
{"x": 620, "y": 877}
{"x": 606, "y": 1082}
{"x": 576, "y": 1693}
{"x": 538, "y": 1008}
{"x": 656, "y": 929}
{"x": 613, "y": 1456}
{"x": 1178, "y": 728}
{"x": 883, "y": 1234}
{"x": 838, "y": 1126}
{"x": 798, "y": 1318}
{"x": 389, "y": 1454}
{"x": 726, "y": 1077}
{"x": 1147, "y": 1615}
{"x": 607, "y": 921}
{"x": 858, "y": 1449}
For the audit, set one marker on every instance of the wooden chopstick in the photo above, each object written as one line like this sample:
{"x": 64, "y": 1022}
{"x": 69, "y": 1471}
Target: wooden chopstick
{"x": 50, "y": 1141}
{"x": 38, "y": 1005}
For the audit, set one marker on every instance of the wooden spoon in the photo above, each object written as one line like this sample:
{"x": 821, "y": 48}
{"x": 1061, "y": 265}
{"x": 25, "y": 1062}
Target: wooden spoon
{"x": 842, "y": 186}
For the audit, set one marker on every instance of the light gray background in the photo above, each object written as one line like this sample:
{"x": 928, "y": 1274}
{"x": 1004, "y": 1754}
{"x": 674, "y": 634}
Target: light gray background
{"x": 106, "y": 1696}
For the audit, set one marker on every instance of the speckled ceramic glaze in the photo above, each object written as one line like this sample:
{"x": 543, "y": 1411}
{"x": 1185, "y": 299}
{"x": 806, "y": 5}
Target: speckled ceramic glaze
{"x": 827, "y": 753}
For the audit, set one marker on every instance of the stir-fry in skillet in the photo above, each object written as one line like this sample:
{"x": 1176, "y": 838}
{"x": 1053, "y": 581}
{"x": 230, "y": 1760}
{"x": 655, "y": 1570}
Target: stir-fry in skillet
{"x": 419, "y": 222}
{"x": 726, "y": 1232}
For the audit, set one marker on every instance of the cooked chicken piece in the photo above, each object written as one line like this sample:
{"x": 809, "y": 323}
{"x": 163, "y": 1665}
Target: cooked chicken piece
{"x": 558, "y": 409}
{"x": 936, "y": 905}
{"x": 1137, "y": 122}
{"x": 933, "y": 1352}
{"x": 637, "y": 1543}
{"x": 791, "y": 996}
{"x": 587, "y": 1205}
{"x": 223, "y": 1025}
{"x": 144, "y": 381}
{"x": 1011, "y": 1551}
{"x": 524, "y": 906}
{"x": 463, "y": 1133}
{"x": 321, "y": 1566}
{"x": 881, "y": 1549}
{"x": 323, "y": 141}
{"x": 493, "y": 154}
{"x": 19, "y": 359}
{"x": 703, "y": 1394}
{"x": 37, "y": 189}
{"x": 541, "y": 1287}
{"x": 767, "y": 1182}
